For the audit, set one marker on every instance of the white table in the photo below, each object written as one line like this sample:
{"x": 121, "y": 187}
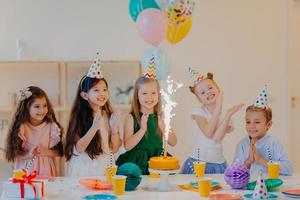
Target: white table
{"x": 68, "y": 188}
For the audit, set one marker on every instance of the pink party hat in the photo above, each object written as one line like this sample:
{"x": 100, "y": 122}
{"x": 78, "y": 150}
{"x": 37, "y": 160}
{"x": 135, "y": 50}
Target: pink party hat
{"x": 262, "y": 99}
{"x": 151, "y": 68}
{"x": 95, "y": 68}
{"x": 260, "y": 191}
{"x": 196, "y": 76}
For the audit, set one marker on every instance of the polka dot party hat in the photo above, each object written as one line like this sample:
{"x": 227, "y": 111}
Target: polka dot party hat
{"x": 260, "y": 191}
{"x": 95, "y": 68}
{"x": 196, "y": 76}
{"x": 151, "y": 68}
{"x": 262, "y": 99}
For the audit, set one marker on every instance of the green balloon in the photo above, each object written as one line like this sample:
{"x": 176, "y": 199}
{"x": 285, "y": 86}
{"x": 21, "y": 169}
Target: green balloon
{"x": 133, "y": 175}
{"x": 137, "y": 6}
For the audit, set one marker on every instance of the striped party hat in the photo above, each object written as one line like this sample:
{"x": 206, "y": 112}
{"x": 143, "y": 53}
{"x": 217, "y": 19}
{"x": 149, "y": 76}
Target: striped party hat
{"x": 262, "y": 98}
{"x": 151, "y": 68}
{"x": 95, "y": 68}
{"x": 196, "y": 76}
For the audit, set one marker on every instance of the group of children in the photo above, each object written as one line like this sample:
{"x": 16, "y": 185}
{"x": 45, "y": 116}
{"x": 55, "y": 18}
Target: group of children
{"x": 35, "y": 136}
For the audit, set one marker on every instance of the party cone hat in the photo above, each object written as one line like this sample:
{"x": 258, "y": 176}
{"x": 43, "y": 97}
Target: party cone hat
{"x": 151, "y": 68}
{"x": 262, "y": 99}
{"x": 196, "y": 76}
{"x": 260, "y": 191}
{"x": 95, "y": 68}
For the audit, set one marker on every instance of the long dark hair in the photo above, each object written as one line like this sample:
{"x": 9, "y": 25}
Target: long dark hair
{"x": 13, "y": 141}
{"x": 81, "y": 119}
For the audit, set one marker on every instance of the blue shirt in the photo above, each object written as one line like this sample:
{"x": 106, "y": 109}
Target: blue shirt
{"x": 276, "y": 150}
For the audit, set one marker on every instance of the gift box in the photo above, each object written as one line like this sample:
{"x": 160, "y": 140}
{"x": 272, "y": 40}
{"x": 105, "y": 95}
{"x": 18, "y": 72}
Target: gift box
{"x": 26, "y": 187}
{"x": 13, "y": 190}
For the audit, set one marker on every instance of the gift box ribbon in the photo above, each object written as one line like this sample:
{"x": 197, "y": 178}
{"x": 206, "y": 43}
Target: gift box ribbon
{"x": 28, "y": 180}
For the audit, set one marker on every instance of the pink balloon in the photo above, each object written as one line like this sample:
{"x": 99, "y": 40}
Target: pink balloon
{"x": 152, "y": 25}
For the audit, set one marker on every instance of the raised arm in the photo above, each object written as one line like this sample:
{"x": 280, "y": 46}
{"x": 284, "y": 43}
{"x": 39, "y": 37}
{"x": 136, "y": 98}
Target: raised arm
{"x": 115, "y": 140}
{"x": 224, "y": 127}
{"x": 131, "y": 139}
{"x": 83, "y": 142}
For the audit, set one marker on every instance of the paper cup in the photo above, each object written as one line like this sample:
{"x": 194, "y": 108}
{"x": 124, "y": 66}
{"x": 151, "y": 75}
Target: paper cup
{"x": 204, "y": 186}
{"x": 118, "y": 182}
{"x": 273, "y": 170}
{"x": 110, "y": 172}
{"x": 199, "y": 169}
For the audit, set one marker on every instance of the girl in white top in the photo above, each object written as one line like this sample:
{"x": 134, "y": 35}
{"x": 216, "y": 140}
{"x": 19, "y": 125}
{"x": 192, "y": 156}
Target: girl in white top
{"x": 208, "y": 126}
{"x": 93, "y": 131}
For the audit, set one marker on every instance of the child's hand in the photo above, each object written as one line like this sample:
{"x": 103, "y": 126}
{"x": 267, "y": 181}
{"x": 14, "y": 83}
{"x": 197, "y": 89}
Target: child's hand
{"x": 250, "y": 158}
{"x": 219, "y": 101}
{"x": 35, "y": 151}
{"x": 161, "y": 122}
{"x": 96, "y": 120}
{"x": 259, "y": 158}
{"x": 234, "y": 109}
{"x": 114, "y": 123}
{"x": 144, "y": 121}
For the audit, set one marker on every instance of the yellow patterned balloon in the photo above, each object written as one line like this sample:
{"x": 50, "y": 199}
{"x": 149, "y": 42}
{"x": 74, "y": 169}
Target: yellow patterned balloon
{"x": 175, "y": 33}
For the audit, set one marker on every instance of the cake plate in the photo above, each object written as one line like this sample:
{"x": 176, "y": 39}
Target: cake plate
{"x": 164, "y": 185}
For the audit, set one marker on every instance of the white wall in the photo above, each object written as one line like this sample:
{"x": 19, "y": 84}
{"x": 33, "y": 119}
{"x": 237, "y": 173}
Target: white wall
{"x": 242, "y": 41}
{"x": 294, "y": 81}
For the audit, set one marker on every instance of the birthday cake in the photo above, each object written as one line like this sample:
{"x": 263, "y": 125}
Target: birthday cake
{"x": 164, "y": 163}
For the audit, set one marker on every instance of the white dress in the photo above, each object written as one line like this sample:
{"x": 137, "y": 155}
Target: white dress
{"x": 81, "y": 164}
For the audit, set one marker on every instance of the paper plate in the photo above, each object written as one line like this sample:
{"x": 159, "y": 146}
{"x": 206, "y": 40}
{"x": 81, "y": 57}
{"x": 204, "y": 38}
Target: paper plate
{"x": 271, "y": 196}
{"x": 102, "y": 196}
{"x": 225, "y": 196}
{"x": 270, "y": 183}
{"x": 294, "y": 192}
{"x": 96, "y": 184}
{"x": 292, "y": 196}
{"x": 195, "y": 184}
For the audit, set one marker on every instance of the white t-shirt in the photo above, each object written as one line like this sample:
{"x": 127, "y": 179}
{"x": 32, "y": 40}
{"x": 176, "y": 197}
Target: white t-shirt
{"x": 209, "y": 150}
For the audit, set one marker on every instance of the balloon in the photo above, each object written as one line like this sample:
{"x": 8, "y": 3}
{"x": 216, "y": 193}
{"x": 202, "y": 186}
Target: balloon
{"x": 152, "y": 26}
{"x": 176, "y": 33}
{"x": 163, "y": 64}
{"x": 137, "y": 6}
{"x": 163, "y": 4}
{"x": 178, "y": 12}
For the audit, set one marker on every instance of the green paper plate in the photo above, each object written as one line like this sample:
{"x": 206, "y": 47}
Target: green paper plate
{"x": 270, "y": 183}
{"x": 271, "y": 196}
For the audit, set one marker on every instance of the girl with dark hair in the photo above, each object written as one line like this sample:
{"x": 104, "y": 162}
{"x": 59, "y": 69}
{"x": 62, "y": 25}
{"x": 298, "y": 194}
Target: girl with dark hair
{"x": 93, "y": 132}
{"x": 34, "y": 138}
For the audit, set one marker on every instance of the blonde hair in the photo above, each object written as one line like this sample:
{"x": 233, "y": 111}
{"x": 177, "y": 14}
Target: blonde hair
{"x": 209, "y": 76}
{"x": 267, "y": 112}
{"x": 135, "y": 104}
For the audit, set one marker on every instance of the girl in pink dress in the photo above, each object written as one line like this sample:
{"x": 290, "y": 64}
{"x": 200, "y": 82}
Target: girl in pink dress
{"x": 34, "y": 138}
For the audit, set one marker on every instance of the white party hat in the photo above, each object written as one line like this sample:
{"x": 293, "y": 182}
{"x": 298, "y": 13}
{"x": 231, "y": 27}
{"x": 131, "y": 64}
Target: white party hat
{"x": 260, "y": 191}
{"x": 262, "y": 98}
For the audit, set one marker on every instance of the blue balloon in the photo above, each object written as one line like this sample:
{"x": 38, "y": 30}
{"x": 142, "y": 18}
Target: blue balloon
{"x": 163, "y": 64}
{"x": 137, "y": 6}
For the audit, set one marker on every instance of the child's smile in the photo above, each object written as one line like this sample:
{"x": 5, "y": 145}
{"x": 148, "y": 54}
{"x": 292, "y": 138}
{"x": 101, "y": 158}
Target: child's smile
{"x": 256, "y": 124}
{"x": 207, "y": 92}
{"x": 38, "y": 110}
{"x": 98, "y": 95}
{"x": 148, "y": 96}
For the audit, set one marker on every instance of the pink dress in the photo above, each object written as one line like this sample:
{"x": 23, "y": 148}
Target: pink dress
{"x": 46, "y": 135}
